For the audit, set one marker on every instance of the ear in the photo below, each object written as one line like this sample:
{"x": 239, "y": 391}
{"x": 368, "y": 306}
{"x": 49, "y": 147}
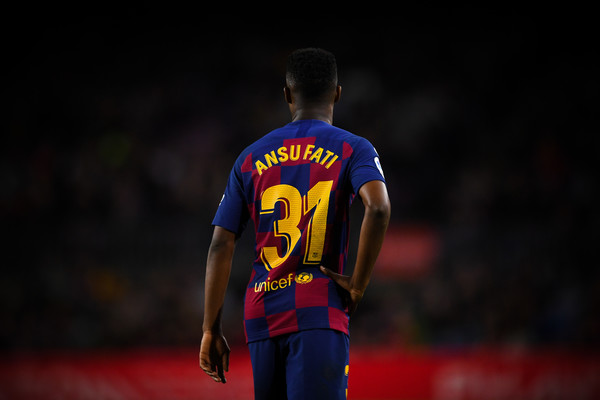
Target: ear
{"x": 338, "y": 94}
{"x": 287, "y": 93}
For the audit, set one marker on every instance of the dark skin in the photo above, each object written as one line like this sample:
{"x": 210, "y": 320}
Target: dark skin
{"x": 214, "y": 350}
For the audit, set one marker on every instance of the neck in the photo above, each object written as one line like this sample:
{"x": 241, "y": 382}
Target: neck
{"x": 320, "y": 112}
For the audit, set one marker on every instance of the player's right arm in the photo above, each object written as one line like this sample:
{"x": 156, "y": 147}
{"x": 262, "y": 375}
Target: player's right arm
{"x": 214, "y": 350}
{"x": 375, "y": 198}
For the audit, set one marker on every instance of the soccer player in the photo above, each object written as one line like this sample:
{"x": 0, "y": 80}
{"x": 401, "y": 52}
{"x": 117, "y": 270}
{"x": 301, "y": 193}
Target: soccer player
{"x": 297, "y": 184}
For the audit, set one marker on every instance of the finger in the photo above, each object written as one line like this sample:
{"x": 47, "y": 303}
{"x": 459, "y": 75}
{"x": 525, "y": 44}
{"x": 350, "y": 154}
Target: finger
{"x": 225, "y": 361}
{"x": 205, "y": 364}
{"x": 220, "y": 374}
{"x": 340, "y": 279}
{"x": 330, "y": 273}
{"x": 213, "y": 374}
{"x": 210, "y": 369}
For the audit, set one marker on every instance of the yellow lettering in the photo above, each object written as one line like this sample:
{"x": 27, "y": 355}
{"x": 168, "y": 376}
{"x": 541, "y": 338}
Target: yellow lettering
{"x": 316, "y": 157}
{"x": 294, "y": 157}
{"x": 317, "y": 198}
{"x": 260, "y": 167}
{"x": 308, "y": 150}
{"x": 327, "y": 155}
{"x": 287, "y": 227}
{"x": 271, "y": 159}
{"x": 283, "y": 156}
{"x": 268, "y": 286}
{"x": 331, "y": 162}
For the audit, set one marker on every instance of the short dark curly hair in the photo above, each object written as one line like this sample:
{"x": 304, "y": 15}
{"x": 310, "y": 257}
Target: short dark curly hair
{"x": 312, "y": 72}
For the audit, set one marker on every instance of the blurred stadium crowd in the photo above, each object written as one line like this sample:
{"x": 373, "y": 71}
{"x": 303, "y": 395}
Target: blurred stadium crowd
{"x": 116, "y": 150}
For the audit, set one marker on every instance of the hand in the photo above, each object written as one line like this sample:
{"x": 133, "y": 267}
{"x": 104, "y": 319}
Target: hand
{"x": 345, "y": 282}
{"x": 214, "y": 356}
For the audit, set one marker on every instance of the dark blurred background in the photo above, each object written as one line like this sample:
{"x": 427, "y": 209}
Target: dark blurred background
{"x": 119, "y": 134}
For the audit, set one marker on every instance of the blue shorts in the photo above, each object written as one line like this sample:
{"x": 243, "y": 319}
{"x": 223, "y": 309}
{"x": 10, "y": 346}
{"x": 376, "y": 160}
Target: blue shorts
{"x": 311, "y": 364}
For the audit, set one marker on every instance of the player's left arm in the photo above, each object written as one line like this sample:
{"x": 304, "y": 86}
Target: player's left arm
{"x": 214, "y": 350}
{"x": 375, "y": 198}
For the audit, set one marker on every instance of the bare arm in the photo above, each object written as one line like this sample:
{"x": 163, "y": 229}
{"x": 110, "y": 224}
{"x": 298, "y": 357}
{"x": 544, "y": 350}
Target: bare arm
{"x": 374, "y": 224}
{"x": 214, "y": 350}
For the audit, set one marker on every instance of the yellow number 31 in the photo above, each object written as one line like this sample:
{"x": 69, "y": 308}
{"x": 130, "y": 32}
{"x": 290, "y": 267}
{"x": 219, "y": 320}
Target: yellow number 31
{"x": 293, "y": 207}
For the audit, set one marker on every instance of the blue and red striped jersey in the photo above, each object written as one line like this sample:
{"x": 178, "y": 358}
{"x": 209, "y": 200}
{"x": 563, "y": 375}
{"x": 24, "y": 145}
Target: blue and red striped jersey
{"x": 297, "y": 184}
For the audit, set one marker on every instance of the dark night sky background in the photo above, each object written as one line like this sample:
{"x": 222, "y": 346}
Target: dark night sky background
{"x": 119, "y": 133}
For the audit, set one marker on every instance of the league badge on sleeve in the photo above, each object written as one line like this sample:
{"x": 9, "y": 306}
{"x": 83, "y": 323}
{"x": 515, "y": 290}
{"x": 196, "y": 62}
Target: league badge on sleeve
{"x": 378, "y": 164}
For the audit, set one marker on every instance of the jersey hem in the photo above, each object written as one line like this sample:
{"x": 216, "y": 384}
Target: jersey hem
{"x": 284, "y": 331}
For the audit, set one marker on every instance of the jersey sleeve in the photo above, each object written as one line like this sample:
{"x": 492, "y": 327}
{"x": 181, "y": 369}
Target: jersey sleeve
{"x": 365, "y": 165}
{"x": 232, "y": 213}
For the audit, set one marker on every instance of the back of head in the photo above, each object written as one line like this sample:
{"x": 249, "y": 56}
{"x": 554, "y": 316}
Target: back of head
{"x": 312, "y": 73}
